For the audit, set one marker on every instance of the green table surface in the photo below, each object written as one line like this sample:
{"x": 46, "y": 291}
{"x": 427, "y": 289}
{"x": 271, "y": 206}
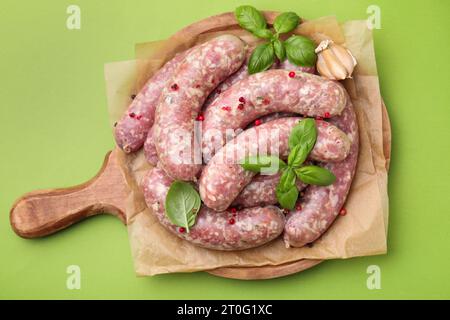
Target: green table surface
{"x": 54, "y": 133}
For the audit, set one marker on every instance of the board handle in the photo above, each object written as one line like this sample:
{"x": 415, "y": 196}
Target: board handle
{"x": 43, "y": 212}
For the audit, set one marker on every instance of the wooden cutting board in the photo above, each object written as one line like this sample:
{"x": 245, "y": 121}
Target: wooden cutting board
{"x": 41, "y": 213}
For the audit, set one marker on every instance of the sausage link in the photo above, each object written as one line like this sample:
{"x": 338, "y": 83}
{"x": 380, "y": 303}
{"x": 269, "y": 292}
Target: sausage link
{"x": 265, "y": 93}
{"x": 239, "y": 75}
{"x": 273, "y": 116}
{"x": 249, "y": 228}
{"x": 242, "y": 73}
{"x": 150, "y": 149}
{"x": 202, "y": 70}
{"x": 131, "y": 130}
{"x": 287, "y": 65}
{"x": 223, "y": 177}
{"x": 149, "y": 146}
{"x": 321, "y": 205}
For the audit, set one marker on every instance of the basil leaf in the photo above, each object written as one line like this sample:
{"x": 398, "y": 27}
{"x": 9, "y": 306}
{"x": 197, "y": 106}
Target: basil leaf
{"x": 249, "y": 18}
{"x": 286, "y": 22}
{"x": 297, "y": 155}
{"x": 261, "y": 59}
{"x": 304, "y": 133}
{"x": 287, "y": 179}
{"x": 263, "y": 33}
{"x": 280, "y": 51}
{"x": 286, "y": 190}
{"x": 265, "y": 164}
{"x": 315, "y": 175}
{"x": 300, "y": 51}
{"x": 287, "y": 199}
{"x": 182, "y": 204}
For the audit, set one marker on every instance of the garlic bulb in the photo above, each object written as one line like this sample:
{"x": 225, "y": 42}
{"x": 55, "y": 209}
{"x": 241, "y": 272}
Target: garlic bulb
{"x": 334, "y": 61}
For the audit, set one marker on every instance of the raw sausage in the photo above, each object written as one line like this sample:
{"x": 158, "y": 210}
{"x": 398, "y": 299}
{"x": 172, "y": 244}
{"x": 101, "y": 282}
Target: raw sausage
{"x": 248, "y": 228}
{"x": 264, "y": 93}
{"x": 150, "y": 149}
{"x": 131, "y": 130}
{"x": 273, "y": 116}
{"x": 149, "y": 145}
{"x": 287, "y": 65}
{"x": 223, "y": 177}
{"x": 202, "y": 70}
{"x": 321, "y": 205}
{"x": 242, "y": 73}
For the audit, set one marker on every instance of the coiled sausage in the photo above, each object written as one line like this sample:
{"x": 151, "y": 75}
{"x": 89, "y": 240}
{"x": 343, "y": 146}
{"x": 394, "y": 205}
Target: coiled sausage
{"x": 201, "y": 71}
{"x": 223, "y": 178}
{"x": 131, "y": 130}
{"x": 246, "y": 229}
{"x": 321, "y": 205}
{"x": 264, "y": 93}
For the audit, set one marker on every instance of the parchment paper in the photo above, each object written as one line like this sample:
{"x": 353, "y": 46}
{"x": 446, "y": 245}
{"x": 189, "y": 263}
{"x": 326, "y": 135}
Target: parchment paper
{"x": 361, "y": 232}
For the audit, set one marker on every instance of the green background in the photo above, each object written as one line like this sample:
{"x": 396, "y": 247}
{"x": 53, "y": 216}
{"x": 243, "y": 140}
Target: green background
{"x": 54, "y": 133}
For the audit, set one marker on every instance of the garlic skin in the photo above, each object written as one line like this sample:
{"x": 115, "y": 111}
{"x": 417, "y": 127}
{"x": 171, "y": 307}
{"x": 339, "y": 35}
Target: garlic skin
{"x": 334, "y": 61}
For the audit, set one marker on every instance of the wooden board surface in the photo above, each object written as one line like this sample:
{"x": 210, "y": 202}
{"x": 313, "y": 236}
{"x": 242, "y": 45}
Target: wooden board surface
{"x": 44, "y": 212}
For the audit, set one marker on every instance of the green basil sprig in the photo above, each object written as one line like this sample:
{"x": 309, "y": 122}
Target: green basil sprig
{"x": 286, "y": 22}
{"x": 286, "y": 190}
{"x": 279, "y": 49}
{"x": 315, "y": 175}
{"x": 263, "y": 33}
{"x": 299, "y": 50}
{"x": 297, "y": 156}
{"x": 262, "y": 57}
{"x": 301, "y": 141}
{"x": 250, "y": 19}
{"x": 305, "y": 133}
{"x": 182, "y": 204}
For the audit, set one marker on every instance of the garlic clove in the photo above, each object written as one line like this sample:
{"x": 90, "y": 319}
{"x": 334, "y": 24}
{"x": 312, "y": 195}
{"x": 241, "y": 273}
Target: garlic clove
{"x": 334, "y": 65}
{"x": 334, "y": 61}
{"x": 345, "y": 57}
{"x": 322, "y": 68}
